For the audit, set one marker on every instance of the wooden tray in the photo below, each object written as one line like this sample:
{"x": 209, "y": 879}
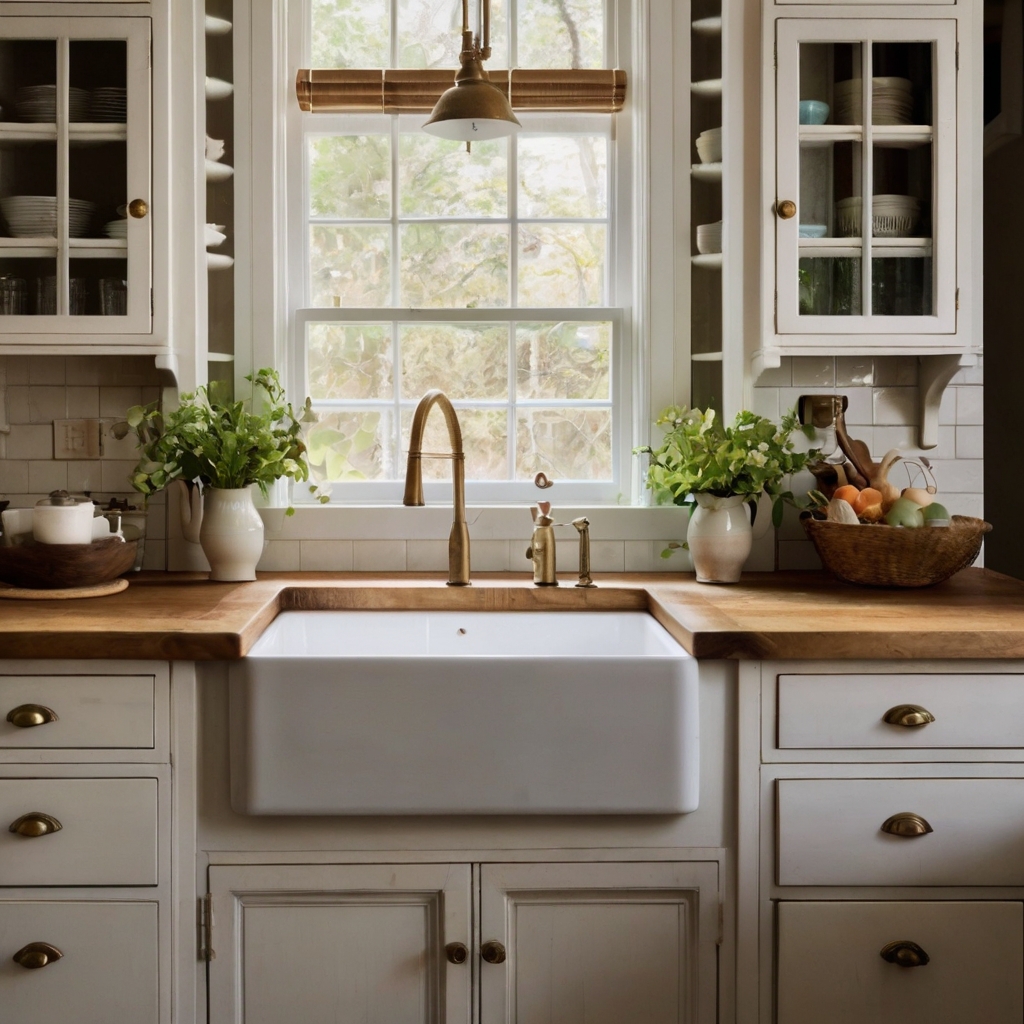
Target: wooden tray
{"x": 66, "y": 566}
{"x": 68, "y": 594}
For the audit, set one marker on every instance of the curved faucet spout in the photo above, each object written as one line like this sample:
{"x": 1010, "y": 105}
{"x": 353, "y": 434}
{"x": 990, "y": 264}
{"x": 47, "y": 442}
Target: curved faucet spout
{"x": 458, "y": 540}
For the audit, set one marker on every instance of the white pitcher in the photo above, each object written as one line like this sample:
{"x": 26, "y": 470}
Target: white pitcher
{"x": 720, "y": 535}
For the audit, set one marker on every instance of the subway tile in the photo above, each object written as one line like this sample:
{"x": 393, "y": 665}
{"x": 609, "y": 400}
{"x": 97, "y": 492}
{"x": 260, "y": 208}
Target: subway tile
{"x": 115, "y": 476}
{"x": 959, "y": 475}
{"x": 280, "y": 556}
{"x": 963, "y": 504}
{"x": 156, "y": 520}
{"x": 427, "y": 556}
{"x": 765, "y": 402}
{"x": 378, "y": 555}
{"x": 885, "y": 438}
{"x": 494, "y": 555}
{"x": 116, "y": 401}
{"x": 646, "y": 556}
{"x": 970, "y": 406}
{"x": 85, "y": 370}
{"x": 30, "y": 441}
{"x": 778, "y": 377}
{"x": 47, "y": 403}
{"x": 13, "y": 477}
{"x": 894, "y": 406}
{"x": 3, "y": 371}
{"x": 325, "y": 555}
{"x": 46, "y": 369}
{"x": 83, "y": 475}
{"x": 814, "y": 372}
{"x": 896, "y": 371}
{"x": 605, "y": 556}
{"x": 47, "y": 476}
{"x": 798, "y": 554}
{"x": 788, "y": 399}
{"x": 970, "y": 442}
{"x": 854, "y": 371}
{"x": 83, "y": 403}
{"x": 947, "y": 407}
{"x": 17, "y": 370}
{"x": 858, "y": 406}
{"x": 155, "y": 558}
{"x": 18, "y": 406}
{"x": 124, "y": 448}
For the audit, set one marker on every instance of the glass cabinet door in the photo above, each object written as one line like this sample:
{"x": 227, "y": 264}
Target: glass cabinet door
{"x": 865, "y": 212}
{"x": 75, "y": 239}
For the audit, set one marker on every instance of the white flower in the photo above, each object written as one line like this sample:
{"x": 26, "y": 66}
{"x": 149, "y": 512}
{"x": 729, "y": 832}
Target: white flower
{"x": 763, "y": 446}
{"x": 758, "y": 458}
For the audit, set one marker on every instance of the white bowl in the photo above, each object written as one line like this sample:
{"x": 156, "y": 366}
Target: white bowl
{"x": 218, "y": 261}
{"x": 709, "y": 238}
{"x": 709, "y": 146}
{"x": 218, "y": 89}
{"x": 214, "y": 148}
{"x": 891, "y": 216}
{"x": 217, "y": 26}
{"x": 218, "y": 172}
{"x": 215, "y": 235}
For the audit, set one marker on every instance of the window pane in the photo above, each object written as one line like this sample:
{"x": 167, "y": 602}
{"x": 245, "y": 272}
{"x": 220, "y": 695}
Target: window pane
{"x": 350, "y": 266}
{"x": 353, "y": 445}
{"x": 484, "y": 438}
{"x": 350, "y": 176}
{"x": 438, "y": 178}
{"x": 564, "y": 360}
{"x": 566, "y": 444}
{"x": 463, "y": 360}
{"x": 430, "y": 33}
{"x": 350, "y": 34}
{"x": 563, "y": 176}
{"x": 454, "y": 265}
{"x": 349, "y": 361}
{"x": 561, "y": 264}
{"x": 561, "y": 34}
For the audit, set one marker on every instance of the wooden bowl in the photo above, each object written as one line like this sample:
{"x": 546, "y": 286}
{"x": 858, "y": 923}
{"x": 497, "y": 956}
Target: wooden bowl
{"x": 893, "y": 556}
{"x": 60, "y": 566}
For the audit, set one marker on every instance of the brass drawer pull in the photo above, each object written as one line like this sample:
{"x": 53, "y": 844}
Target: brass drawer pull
{"x": 456, "y": 952}
{"x": 785, "y": 208}
{"x": 904, "y": 953}
{"x": 36, "y": 955}
{"x": 25, "y": 716}
{"x": 493, "y": 952}
{"x": 138, "y": 208}
{"x": 906, "y": 825}
{"x": 35, "y": 824}
{"x": 910, "y": 716}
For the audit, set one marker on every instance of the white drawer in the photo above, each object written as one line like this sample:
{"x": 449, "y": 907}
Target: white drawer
{"x": 831, "y": 968}
{"x": 846, "y": 711}
{"x": 830, "y": 832}
{"x": 108, "y": 971}
{"x": 108, "y": 833}
{"x": 91, "y": 711}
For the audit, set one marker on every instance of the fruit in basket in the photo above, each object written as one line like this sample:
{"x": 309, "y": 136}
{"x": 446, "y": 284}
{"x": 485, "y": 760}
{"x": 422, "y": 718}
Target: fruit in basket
{"x": 905, "y": 512}
{"x": 935, "y": 515}
{"x": 841, "y": 511}
{"x": 866, "y": 499}
{"x": 919, "y": 495}
{"x": 847, "y": 493}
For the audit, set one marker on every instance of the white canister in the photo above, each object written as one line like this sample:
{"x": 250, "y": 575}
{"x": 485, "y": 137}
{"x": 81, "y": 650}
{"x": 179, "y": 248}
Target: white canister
{"x": 63, "y": 519}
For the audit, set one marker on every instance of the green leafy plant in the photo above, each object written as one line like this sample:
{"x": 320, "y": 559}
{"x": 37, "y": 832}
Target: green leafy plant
{"x": 223, "y": 444}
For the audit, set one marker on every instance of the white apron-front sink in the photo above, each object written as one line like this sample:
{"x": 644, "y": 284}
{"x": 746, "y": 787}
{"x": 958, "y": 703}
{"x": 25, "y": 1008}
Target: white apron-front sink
{"x": 410, "y": 712}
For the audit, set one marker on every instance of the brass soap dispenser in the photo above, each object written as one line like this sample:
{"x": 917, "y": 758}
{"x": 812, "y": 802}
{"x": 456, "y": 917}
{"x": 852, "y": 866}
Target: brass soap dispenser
{"x": 542, "y": 545}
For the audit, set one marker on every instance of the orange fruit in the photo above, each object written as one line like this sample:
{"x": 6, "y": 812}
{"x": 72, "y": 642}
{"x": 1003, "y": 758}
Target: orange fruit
{"x": 868, "y": 497}
{"x": 847, "y": 493}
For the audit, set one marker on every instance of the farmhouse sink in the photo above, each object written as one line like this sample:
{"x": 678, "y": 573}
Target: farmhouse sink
{"x": 409, "y": 712}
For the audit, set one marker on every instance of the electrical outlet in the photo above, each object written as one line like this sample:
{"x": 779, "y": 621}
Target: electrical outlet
{"x": 76, "y": 439}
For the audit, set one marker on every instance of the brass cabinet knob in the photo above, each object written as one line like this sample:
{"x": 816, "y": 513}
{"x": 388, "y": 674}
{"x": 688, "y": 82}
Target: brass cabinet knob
{"x": 456, "y": 952}
{"x": 138, "y": 208}
{"x": 36, "y": 955}
{"x": 785, "y": 208}
{"x": 26, "y": 716}
{"x": 35, "y": 824}
{"x": 910, "y": 716}
{"x": 493, "y": 952}
{"x": 906, "y": 825}
{"x": 904, "y": 953}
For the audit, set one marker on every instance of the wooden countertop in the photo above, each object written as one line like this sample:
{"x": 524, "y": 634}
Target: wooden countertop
{"x": 184, "y": 616}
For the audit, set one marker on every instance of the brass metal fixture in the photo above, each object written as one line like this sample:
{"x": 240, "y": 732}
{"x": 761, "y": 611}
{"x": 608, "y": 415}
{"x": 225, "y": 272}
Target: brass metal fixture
{"x": 35, "y": 824}
{"x": 582, "y": 525}
{"x": 785, "y": 208}
{"x": 138, "y": 208}
{"x": 456, "y": 952}
{"x": 910, "y": 716}
{"x": 27, "y": 716}
{"x": 458, "y": 539}
{"x": 493, "y": 952}
{"x": 904, "y": 953}
{"x": 36, "y": 955}
{"x": 906, "y": 825}
{"x": 542, "y": 546}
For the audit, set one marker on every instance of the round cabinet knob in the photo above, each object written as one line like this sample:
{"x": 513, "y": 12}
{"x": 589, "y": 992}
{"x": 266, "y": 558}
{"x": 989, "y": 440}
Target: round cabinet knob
{"x": 35, "y": 824}
{"x": 906, "y": 825}
{"x": 36, "y": 955}
{"x": 785, "y": 208}
{"x": 138, "y": 208}
{"x": 456, "y": 952}
{"x": 904, "y": 953}
{"x": 27, "y": 716}
{"x": 910, "y": 716}
{"x": 493, "y": 952}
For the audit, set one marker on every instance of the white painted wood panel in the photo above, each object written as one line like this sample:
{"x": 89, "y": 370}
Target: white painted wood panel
{"x": 92, "y": 711}
{"x": 830, "y": 968}
{"x": 108, "y": 834}
{"x": 845, "y": 710}
{"x": 108, "y": 972}
{"x": 599, "y": 943}
{"x": 829, "y": 832}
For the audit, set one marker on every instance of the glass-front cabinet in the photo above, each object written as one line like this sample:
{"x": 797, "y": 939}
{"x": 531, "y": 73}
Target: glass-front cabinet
{"x": 75, "y": 238}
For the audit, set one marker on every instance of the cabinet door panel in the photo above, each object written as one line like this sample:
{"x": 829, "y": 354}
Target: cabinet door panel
{"x": 599, "y": 943}
{"x": 830, "y": 967}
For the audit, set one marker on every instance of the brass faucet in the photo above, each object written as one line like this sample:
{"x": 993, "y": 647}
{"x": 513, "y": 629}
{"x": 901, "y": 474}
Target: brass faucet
{"x": 542, "y": 547}
{"x": 458, "y": 539}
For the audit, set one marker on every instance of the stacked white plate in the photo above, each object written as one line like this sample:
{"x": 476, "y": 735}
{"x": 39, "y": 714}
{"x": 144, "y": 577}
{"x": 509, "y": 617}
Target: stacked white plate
{"x": 38, "y": 103}
{"x": 891, "y": 216}
{"x": 109, "y": 104}
{"x": 215, "y": 235}
{"x": 709, "y": 146}
{"x": 116, "y": 228}
{"x": 892, "y": 101}
{"x": 36, "y": 216}
{"x": 709, "y": 237}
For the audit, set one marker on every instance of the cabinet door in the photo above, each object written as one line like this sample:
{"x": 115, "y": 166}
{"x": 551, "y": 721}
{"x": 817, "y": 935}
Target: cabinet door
{"x": 831, "y": 966}
{"x": 598, "y": 943}
{"x": 364, "y": 944}
{"x": 75, "y": 240}
{"x": 866, "y": 178}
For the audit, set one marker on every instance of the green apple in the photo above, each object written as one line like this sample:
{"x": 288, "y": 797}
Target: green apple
{"x": 905, "y": 512}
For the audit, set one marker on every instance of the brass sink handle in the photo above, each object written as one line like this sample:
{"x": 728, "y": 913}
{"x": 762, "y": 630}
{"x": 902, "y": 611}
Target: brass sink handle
{"x": 906, "y": 825}
{"x": 910, "y": 716}
{"x": 904, "y": 953}
{"x": 35, "y": 824}
{"x": 456, "y": 952}
{"x": 25, "y": 716}
{"x": 493, "y": 952}
{"x": 36, "y": 955}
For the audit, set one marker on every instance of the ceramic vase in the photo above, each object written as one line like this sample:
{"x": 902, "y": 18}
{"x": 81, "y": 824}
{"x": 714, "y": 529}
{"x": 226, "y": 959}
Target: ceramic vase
{"x": 719, "y": 537}
{"x": 231, "y": 533}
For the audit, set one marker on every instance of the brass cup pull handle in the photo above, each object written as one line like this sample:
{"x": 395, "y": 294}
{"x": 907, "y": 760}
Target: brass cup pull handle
{"x": 35, "y": 824}
{"x": 138, "y": 208}
{"x": 26, "y": 716}
{"x": 493, "y": 952}
{"x": 456, "y": 952}
{"x": 785, "y": 208}
{"x": 36, "y": 955}
{"x": 906, "y": 825}
{"x": 910, "y": 716}
{"x": 904, "y": 953}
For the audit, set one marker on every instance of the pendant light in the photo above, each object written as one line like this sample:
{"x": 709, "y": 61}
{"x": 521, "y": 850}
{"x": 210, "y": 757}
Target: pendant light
{"x": 473, "y": 109}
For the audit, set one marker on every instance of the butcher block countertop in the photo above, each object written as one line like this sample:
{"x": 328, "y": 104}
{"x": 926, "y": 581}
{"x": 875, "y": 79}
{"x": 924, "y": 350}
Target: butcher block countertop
{"x": 184, "y": 616}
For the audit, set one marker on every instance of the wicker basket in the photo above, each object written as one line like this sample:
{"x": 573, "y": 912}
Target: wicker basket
{"x": 892, "y": 556}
